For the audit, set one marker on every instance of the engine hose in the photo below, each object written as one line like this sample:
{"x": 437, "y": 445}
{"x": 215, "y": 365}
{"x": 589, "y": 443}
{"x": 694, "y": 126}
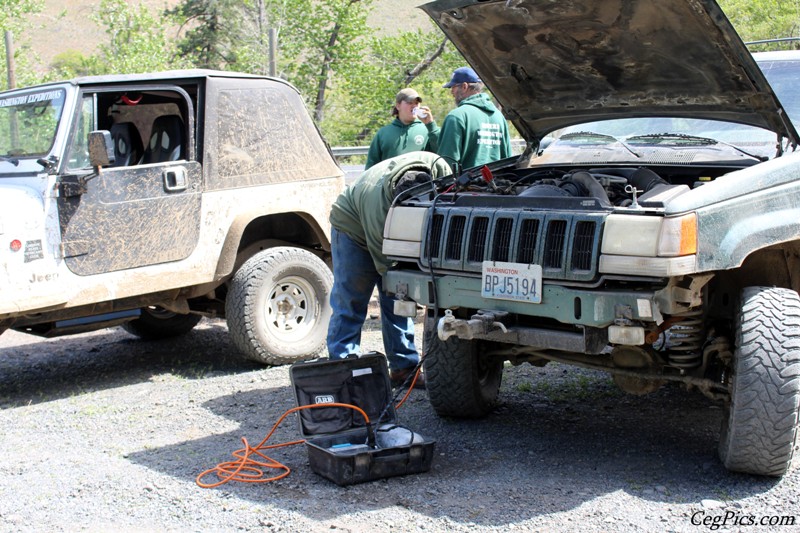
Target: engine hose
{"x": 642, "y": 178}
{"x": 590, "y": 184}
{"x": 645, "y": 179}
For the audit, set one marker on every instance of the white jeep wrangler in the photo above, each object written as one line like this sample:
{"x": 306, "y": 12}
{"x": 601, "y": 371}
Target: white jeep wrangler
{"x": 152, "y": 200}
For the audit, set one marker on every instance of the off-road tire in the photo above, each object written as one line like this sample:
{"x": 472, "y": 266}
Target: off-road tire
{"x": 156, "y": 323}
{"x": 460, "y": 382}
{"x": 760, "y": 426}
{"x": 278, "y": 307}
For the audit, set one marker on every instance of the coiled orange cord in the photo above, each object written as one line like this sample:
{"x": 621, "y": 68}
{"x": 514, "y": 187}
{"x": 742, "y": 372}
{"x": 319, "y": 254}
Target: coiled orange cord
{"x": 249, "y": 470}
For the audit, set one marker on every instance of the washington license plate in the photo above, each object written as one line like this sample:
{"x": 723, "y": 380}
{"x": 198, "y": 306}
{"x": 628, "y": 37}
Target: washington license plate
{"x": 520, "y": 282}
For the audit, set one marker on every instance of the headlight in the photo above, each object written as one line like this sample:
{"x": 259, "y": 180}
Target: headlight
{"x": 650, "y": 236}
{"x": 631, "y": 235}
{"x": 649, "y": 246}
{"x": 402, "y": 234}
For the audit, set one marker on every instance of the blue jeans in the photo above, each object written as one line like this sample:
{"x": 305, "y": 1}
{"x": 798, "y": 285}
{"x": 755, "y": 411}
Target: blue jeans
{"x": 354, "y": 278}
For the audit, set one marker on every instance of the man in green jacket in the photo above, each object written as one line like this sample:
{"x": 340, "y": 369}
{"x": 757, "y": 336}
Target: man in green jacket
{"x": 413, "y": 129}
{"x": 357, "y": 219}
{"x": 475, "y": 132}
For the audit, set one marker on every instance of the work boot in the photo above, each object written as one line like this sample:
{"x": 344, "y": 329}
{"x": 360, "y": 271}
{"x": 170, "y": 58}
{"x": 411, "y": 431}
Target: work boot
{"x": 399, "y": 377}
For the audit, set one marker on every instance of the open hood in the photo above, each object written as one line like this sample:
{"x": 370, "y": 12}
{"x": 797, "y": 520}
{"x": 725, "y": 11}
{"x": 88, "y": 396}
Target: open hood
{"x": 554, "y": 63}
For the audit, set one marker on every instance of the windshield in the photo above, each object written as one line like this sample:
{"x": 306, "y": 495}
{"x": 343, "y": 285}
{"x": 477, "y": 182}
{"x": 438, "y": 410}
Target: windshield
{"x": 634, "y": 134}
{"x": 28, "y": 123}
{"x": 670, "y": 132}
{"x": 784, "y": 77}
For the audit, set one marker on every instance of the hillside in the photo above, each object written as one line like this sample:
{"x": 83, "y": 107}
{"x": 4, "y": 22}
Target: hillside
{"x": 68, "y": 26}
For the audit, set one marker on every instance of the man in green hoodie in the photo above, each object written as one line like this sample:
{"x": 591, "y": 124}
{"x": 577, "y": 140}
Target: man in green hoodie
{"x": 475, "y": 132}
{"x": 412, "y": 129}
{"x": 357, "y": 219}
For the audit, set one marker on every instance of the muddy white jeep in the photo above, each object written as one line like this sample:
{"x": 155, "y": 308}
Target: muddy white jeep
{"x": 152, "y": 200}
{"x": 656, "y": 236}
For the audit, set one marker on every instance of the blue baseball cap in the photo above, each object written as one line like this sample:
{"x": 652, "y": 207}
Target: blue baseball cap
{"x": 462, "y": 75}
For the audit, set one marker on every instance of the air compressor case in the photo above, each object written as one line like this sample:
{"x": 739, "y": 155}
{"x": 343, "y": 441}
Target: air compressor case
{"x": 337, "y": 438}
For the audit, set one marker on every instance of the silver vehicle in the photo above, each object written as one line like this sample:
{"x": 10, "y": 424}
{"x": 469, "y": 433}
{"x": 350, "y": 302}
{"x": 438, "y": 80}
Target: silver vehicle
{"x": 152, "y": 200}
{"x": 656, "y": 235}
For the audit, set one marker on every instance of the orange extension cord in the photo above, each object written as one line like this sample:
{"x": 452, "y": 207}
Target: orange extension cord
{"x": 249, "y": 470}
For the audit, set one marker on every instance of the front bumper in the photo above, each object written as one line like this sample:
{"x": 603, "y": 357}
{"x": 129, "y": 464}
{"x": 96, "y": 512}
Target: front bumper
{"x": 568, "y": 305}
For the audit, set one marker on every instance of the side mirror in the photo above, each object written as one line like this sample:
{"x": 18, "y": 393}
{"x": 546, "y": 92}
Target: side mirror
{"x": 101, "y": 149}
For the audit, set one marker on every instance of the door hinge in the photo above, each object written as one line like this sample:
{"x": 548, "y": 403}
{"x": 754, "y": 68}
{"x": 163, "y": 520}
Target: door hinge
{"x": 68, "y": 190}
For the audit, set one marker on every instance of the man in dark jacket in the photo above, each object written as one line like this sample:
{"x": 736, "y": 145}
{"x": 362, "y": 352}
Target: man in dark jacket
{"x": 412, "y": 130}
{"x": 357, "y": 220}
{"x": 475, "y": 132}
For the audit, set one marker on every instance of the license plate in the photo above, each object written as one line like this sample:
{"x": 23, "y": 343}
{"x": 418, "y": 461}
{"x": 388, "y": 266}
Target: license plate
{"x": 512, "y": 281}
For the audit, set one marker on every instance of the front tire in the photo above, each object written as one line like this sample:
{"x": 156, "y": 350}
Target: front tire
{"x": 460, "y": 381}
{"x": 760, "y": 426}
{"x": 278, "y": 307}
{"x": 156, "y": 323}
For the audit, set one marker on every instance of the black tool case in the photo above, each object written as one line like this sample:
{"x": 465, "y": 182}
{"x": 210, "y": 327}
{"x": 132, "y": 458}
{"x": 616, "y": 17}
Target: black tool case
{"x": 341, "y": 447}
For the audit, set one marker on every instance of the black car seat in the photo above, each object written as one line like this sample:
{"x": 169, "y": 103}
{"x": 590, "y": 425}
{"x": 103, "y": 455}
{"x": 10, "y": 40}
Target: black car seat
{"x": 127, "y": 144}
{"x": 166, "y": 140}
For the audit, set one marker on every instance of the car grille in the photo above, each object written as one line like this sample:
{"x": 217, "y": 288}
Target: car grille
{"x": 566, "y": 245}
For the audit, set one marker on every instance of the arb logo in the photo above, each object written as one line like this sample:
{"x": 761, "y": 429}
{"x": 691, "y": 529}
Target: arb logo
{"x": 326, "y": 398}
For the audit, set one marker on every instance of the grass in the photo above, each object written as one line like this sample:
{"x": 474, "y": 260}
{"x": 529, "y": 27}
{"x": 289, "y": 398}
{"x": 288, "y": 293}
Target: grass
{"x": 572, "y": 387}
{"x": 525, "y": 386}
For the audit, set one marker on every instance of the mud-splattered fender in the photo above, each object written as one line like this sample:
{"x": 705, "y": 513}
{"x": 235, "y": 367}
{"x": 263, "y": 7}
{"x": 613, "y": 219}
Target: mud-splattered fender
{"x": 744, "y": 211}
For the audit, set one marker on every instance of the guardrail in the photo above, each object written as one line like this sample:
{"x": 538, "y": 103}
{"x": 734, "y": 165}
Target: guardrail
{"x": 773, "y": 41}
{"x": 517, "y": 145}
{"x": 344, "y": 151}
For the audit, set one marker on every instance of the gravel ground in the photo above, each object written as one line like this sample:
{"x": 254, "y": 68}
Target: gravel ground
{"x": 104, "y": 432}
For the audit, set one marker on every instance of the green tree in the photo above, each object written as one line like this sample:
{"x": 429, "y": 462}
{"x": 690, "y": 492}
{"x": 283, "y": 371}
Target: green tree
{"x": 314, "y": 46}
{"x": 325, "y": 49}
{"x": 13, "y": 15}
{"x": 71, "y": 63}
{"x": 13, "y": 12}
{"x": 138, "y": 40}
{"x": 764, "y": 19}
{"x": 252, "y": 41}
{"x": 208, "y": 27}
{"x": 422, "y": 59}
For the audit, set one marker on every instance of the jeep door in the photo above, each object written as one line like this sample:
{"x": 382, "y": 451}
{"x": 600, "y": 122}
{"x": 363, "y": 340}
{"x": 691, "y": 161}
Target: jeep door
{"x": 144, "y": 208}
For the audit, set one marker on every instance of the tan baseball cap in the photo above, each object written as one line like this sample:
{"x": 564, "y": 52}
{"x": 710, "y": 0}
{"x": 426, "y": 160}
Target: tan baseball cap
{"x": 407, "y": 95}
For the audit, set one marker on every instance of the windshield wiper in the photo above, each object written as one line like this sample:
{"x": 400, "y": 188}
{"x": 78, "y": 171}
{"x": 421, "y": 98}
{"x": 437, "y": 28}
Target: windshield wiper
{"x": 677, "y": 138}
{"x": 683, "y": 138}
{"x": 13, "y": 160}
{"x": 589, "y": 135}
{"x": 610, "y": 139}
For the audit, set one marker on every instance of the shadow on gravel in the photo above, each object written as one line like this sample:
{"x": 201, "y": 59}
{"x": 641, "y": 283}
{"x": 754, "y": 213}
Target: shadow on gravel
{"x": 537, "y": 454}
{"x": 49, "y": 369}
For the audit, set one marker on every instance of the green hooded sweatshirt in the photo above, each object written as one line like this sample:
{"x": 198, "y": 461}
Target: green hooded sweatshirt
{"x": 360, "y": 211}
{"x": 474, "y": 133}
{"x": 399, "y": 138}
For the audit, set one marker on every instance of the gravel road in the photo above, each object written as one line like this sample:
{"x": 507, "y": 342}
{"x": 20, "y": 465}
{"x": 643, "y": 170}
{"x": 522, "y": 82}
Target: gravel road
{"x": 104, "y": 432}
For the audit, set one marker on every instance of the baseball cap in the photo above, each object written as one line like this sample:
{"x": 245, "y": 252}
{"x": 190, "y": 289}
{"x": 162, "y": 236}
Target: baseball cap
{"x": 407, "y": 95}
{"x": 462, "y": 75}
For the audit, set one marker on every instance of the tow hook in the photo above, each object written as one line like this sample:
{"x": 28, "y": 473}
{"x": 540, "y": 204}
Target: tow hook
{"x": 480, "y": 324}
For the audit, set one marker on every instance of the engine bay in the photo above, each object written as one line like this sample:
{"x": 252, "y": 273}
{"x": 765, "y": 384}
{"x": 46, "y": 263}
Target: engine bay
{"x": 565, "y": 187}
